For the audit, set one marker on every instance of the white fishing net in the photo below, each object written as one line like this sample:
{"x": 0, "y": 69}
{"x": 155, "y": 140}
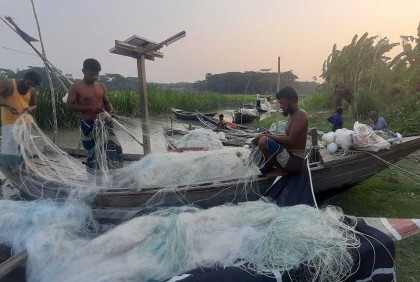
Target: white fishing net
{"x": 191, "y": 167}
{"x": 62, "y": 244}
{"x": 197, "y": 138}
{"x": 49, "y": 172}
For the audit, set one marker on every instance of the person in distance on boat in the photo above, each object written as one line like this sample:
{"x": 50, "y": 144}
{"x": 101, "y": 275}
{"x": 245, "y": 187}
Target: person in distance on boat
{"x": 377, "y": 123}
{"x": 285, "y": 154}
{"x": 90, "y": 98}
{"x": 17, "y": 96}
{"x": 221, "y": 123}
{"x": 336, "y": 120}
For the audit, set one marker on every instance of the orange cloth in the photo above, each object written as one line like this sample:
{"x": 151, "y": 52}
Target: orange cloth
{"x": 18, "y": 101}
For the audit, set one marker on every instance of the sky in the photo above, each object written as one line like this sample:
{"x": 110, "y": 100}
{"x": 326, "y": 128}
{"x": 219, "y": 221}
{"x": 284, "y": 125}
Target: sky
{"x": 221, "y": 35}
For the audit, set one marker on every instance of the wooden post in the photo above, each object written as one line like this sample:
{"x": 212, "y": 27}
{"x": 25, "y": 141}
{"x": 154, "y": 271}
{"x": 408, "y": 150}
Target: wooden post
{"x": 314, "y": 137}
{"x": 278, "y": 75}
{"x": 144, "y": 105}
{"x": 54, "y": 111}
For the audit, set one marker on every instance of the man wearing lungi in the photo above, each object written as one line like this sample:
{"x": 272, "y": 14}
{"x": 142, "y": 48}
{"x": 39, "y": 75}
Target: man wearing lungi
{"x": 90, "y": 98}
{"x": 284, "y": 154}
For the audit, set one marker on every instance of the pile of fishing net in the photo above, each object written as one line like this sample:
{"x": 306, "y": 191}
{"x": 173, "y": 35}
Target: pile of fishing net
{"x": 200, "y": 138}
{"x": 163, "y": 169}
{"x": 44, "y": 162}
{"x": 62, "y": 244}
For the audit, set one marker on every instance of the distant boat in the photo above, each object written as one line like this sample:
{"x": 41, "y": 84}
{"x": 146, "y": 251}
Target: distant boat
{"x": 181, "y": 114}
{"x": 212, "y": 123}
{"x": 245, "y": 115}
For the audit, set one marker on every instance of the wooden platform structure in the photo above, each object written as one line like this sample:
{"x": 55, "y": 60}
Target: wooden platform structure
{"x": 143, "y": 49}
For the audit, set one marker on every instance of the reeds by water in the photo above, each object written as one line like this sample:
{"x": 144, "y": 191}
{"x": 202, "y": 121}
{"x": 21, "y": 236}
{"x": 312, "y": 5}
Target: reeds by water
{"x": 126, "y": 103}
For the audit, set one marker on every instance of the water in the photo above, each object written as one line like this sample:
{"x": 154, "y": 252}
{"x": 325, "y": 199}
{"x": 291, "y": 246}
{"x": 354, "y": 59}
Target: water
{"x": 71, "y": 138}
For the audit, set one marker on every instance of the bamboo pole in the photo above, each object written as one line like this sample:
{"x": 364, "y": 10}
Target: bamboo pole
{"x": 54, "y": 111}
{"x": 52, "y": 68}
{"x": 12, "y": 263}
{"x": 123, "y": 128}
{"x": 144, "y": 104}
{"x": 278, "y": 75}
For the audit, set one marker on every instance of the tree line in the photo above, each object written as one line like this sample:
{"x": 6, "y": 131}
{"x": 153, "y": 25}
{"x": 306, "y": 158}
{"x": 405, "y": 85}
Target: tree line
{"x": 226, "y": 83}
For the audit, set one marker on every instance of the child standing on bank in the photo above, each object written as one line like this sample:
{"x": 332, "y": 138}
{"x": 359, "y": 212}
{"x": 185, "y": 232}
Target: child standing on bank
{"x": 336, "y": 120}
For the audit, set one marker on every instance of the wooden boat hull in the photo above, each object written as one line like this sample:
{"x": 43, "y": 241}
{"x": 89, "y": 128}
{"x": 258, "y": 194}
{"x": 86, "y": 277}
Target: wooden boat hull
{"x": 327, "y": 174}
{"x": 211, "y": 123}
{"x": 180, "y": 114}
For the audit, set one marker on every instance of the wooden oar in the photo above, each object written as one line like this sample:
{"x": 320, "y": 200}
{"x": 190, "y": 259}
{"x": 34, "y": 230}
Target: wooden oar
{"x": 123, "y": 128}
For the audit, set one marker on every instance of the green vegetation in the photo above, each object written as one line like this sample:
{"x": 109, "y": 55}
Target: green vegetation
{"x": 161, "y": 101}
{"x": 407, "y": 256}
{"x": 126, "y": 103}
{"x": 380, "y": 83}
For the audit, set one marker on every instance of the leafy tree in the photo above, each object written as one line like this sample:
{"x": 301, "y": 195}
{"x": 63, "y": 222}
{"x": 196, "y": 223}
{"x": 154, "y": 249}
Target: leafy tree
{"x": 361, "y": 64}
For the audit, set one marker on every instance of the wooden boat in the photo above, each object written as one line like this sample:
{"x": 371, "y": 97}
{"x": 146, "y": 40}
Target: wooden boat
{"x": 211, "y": 123}
{"x": 328, "y": 174}
{"x": 252, "y": 106}
{"x": 245, "y": 115}
{"x": 185, "y": 115}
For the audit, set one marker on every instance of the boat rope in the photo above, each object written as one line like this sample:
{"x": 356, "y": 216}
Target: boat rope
{"x": 398, "y": 169}
{"x": 310, "y": 174}
{"x": 123, "y": 127}
{"x": 180, "y": 123}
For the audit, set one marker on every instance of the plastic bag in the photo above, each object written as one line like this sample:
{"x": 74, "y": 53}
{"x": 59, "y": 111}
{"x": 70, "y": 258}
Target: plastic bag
{"x": 364, "y": 138}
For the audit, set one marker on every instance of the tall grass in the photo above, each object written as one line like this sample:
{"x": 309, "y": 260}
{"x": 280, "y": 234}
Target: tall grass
{"x": 315, "y": 102}
{"x": 161, "y": 101}
{"x": 44, "y": 111}
{"x": 127, "y": 103}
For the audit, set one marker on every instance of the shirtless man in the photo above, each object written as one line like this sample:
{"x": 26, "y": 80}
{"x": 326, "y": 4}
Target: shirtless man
{"x": 89, "y": 98}
{"x": 17, "y": 96}
{"x": 285, "y": 154}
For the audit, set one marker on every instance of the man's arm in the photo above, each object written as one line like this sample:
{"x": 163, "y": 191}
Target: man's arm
{"x": 6, "y": 90}
{"x": 330, "y": 119}
{"x": 107, "y": 104}
{"x": 32, "y": 102}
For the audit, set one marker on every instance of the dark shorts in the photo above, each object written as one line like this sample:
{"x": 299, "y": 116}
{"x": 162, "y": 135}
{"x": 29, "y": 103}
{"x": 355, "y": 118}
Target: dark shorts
{"x": 294, "y": 164}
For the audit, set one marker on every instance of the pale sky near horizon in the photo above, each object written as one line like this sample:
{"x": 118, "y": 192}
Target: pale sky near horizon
{"x": 222, "y": 35}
